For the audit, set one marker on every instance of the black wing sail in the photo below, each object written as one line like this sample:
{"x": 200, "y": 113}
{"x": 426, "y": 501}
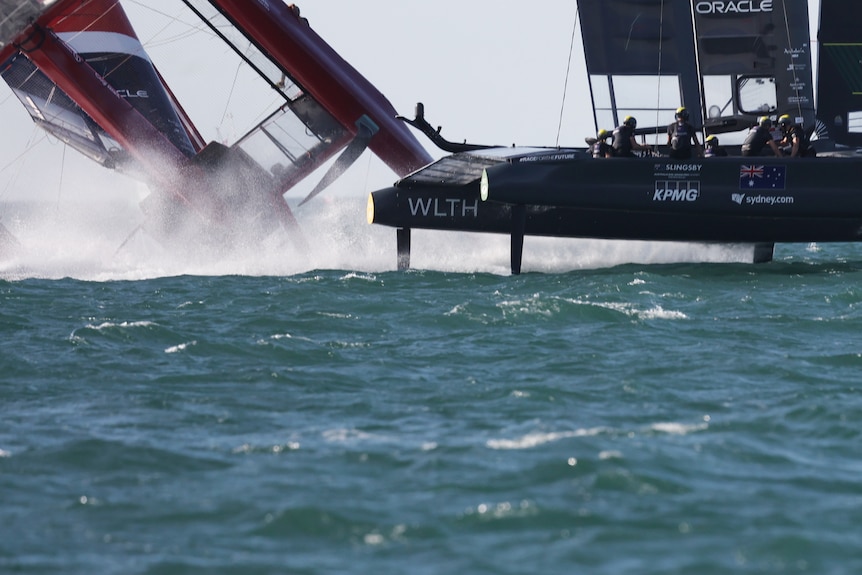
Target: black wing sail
{"x": 726, "y": 62}
{"x": 639, "y": 61}
{"x": 755, "y": 60}
{"x": 839, "y": 73}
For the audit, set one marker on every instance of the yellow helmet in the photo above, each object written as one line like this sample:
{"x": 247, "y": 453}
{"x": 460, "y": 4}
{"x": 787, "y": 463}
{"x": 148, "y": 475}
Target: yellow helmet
{"x": 712, "y": 141}
{"x": 681, "y": 112}
{"x": 784, "y": 120}
{"x": 630, "y": 121}
{"x": 764, "y": 122}
{"x": 602, "y": 134}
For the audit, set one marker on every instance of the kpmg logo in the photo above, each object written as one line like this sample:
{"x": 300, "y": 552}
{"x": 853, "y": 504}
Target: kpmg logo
{"x": 676, "y": 191}
{"x": 734, "y": 7}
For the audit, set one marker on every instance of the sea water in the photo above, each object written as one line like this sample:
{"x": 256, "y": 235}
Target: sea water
{"x": 609, "y": 411}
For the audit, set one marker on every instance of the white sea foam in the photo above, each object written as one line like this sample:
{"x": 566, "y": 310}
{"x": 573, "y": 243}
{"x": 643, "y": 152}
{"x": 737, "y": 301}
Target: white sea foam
{"x": 656, "y": 312}
{"x": 180, "y": 347}
{"x": 123, "y": 324}
{"x": 535, "y": 439}
{"x": 678, "y": 428}
{"x": 103, "y": 241}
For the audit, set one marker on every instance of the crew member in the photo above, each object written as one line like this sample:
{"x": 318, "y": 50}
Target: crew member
{"x": 713, "y": 150}
{"x": 758, "y": 138}
{"x": 601, "y": 149}
{"x": 624, "y": 139}
{"x": 681, "y": 135}
{"x": 795, "y": 140}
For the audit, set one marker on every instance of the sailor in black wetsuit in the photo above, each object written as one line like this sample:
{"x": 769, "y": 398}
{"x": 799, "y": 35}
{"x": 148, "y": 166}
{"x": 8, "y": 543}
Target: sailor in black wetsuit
{"x": 713, "y": 150}
{"x": 680, "y": 136}
{"x": 758, "y": 138}
{"x": 601, "y": 149}
{"x": 795, "y": 142}
{"x": 624, "y": 139}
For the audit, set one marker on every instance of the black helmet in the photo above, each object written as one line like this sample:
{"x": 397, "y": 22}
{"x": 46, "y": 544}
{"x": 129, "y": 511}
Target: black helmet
{"x": 764, "y": 122}
{"x": 681, "y": 113}
{"x": 784, "y": 121}
{"x": 712, "y": 141}
{"x": 630, "y": 122}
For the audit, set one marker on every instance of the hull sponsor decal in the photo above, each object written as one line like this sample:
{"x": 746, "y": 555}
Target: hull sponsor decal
{"x": 762, "y": 177}
{"x": 734, "y": 7}
{"x": 677, "y": 171}
{"x": 444, "y": 207}
{"x": 759, "y": 199}
{"x": 676, "y": 191}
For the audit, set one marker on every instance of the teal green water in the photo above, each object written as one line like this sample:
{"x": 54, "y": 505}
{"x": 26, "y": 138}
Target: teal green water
{"x": 650, "y": 419}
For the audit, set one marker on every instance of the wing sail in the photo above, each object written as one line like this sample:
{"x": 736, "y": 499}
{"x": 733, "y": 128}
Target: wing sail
{"x": 726, "y": 62}
{"x": 638, "y": 57}
{"x": 839, "y": 76}
{"x": 754, "y": 61}
{"x": 55, "y": 112}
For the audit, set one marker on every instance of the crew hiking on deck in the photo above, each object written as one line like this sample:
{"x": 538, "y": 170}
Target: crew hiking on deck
{"x": 624, "y": 139}
{"x": 681, "y": 135}
{"x": 683, "y": 143}
{"x": 795, "y": 142}
{"x": 713, "y": 149}
{"x": 601, "y": 149}
{"x": 759, "y": 137}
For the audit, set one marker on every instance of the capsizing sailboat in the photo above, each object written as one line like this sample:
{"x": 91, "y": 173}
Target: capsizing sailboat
{"x": 81, "y": 71}
{"x": 752, "y": 58}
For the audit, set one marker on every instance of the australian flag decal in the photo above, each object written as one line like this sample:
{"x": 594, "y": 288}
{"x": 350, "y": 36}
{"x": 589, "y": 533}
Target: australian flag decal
{"x": 762, "y": 177}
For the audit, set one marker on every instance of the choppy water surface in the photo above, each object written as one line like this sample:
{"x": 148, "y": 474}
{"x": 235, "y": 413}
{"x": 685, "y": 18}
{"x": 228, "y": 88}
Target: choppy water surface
{"x": 637, "y": 418}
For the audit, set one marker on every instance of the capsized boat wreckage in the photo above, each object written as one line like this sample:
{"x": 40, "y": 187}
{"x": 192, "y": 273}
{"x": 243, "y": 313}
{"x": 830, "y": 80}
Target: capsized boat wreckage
{"x": 82, "y": 73}
{"x": 753, "y": 60}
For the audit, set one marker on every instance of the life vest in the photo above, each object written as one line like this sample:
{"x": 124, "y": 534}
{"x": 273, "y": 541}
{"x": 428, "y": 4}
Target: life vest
{"x": 804, "y": 142}
{"x": 601, "y": 149}
{"x": 623, "y": 141}
{"x": 680, "y": 136}
{"x": 755, "y": 141}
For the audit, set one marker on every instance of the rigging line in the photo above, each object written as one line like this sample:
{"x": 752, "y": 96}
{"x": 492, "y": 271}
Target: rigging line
{"x": 266, "y": 111}
{"x": 159, "y": 12}
{"x": 658, "y": 84}
{"x": 30, "y": 145}
{"x": 27, "y": 149}
{"x": 230, "y": 94}
{"x": 89, "y": 26}
{"x": 193, "y": 28}
{"x": 568, "y": 70}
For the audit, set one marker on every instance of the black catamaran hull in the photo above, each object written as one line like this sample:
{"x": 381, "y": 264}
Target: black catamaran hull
{"x": 751, "y": 59}
{"x": 726, "y": 200}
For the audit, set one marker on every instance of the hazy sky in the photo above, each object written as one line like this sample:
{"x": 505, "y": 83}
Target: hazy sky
{"x": 488, "y": 71}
